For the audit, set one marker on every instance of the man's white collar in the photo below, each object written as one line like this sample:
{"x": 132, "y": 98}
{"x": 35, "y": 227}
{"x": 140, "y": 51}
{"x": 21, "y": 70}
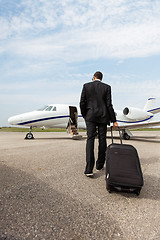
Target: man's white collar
{"x": 97, "y": 79}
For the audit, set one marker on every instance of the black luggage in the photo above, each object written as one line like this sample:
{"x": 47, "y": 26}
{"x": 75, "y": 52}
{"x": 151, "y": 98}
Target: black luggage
{"x": 123, "y": 169}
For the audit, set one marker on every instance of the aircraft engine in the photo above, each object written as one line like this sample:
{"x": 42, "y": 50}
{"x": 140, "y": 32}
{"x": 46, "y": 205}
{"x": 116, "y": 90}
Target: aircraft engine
{"x": 136, "y": 113}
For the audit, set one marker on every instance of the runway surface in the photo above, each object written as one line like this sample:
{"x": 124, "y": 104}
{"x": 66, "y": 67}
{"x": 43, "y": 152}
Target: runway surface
{"x": 45, "y": 195}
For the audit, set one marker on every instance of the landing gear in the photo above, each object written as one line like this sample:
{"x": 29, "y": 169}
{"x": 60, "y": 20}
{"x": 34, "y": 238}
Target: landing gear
{"x": 29, "y": 135}
{"x": 125, "y": 135}
{"x": 72, "y": 124}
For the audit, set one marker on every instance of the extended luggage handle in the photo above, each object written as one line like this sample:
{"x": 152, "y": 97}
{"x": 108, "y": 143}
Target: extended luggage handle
{"x": 119, "y": 134}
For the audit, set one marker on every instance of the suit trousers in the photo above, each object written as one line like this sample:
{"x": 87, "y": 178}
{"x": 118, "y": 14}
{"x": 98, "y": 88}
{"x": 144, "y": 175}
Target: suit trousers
{"x": 92, "y": 128}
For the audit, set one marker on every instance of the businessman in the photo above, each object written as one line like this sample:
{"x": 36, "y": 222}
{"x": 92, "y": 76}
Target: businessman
{"x": 97, "y": 110}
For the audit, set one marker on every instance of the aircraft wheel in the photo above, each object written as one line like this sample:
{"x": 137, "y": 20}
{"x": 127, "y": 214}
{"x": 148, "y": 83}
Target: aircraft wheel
{"x": 29, "y": 136}
{"x": 126, "y": 136}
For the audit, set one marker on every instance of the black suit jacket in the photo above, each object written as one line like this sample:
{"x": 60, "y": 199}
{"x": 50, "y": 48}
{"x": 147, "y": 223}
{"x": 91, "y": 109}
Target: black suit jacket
{"x": 96, "y": 103}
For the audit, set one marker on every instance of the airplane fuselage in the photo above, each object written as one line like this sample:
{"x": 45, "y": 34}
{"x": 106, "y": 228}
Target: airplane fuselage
{"x": 57, "y": 116}
{"x": 70, "y": 118}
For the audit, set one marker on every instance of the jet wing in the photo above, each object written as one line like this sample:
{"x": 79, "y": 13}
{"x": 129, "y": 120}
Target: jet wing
{"x": 140, "y": 125}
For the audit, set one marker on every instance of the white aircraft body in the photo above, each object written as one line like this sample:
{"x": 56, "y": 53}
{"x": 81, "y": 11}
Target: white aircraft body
{"x": 70, "y": 118}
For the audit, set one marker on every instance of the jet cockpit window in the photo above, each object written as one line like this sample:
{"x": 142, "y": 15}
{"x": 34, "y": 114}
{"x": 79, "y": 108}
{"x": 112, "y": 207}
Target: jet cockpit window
{"x": 42, "y": 109}
{"x": 54, "y": 109}
{"x": 49, "y": 108}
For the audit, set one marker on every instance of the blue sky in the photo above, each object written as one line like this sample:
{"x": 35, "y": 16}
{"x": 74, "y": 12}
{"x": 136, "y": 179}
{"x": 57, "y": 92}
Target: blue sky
{"x": 50, "y": 48}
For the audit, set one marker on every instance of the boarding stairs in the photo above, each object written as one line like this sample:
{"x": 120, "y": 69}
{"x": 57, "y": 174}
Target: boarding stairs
{"x": 73, "y": 131}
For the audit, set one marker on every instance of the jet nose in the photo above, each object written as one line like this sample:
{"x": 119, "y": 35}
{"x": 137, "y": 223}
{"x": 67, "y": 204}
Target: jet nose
{"x": 11, "y": 120}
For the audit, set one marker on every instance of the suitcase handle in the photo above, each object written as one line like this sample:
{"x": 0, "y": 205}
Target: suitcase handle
{"x": 119, "y": 134}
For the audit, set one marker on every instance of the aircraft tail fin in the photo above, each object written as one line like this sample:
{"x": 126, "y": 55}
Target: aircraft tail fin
{"x": 149, "y": 107}
{"x": 149, "y": 104}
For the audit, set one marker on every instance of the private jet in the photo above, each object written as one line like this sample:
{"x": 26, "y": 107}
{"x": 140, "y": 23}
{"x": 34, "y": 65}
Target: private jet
{"x": 70, "y": 118}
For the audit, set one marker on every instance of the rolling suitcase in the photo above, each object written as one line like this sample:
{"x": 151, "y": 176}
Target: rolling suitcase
{"x": 123, "y": 169}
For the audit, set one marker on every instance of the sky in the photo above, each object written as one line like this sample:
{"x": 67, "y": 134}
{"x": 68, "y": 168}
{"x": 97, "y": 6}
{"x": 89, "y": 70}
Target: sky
{"x": 50, "y": 48}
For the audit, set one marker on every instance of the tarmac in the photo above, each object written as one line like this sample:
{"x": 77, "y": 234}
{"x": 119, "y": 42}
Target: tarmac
{"x": 45, "y": 195}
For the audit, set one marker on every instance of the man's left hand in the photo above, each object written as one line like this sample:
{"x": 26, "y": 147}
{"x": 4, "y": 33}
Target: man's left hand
{"x": 115, "y": 125}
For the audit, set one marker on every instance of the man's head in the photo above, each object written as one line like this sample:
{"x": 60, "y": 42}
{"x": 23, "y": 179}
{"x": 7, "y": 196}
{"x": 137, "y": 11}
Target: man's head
{"x": 98, "y": 75}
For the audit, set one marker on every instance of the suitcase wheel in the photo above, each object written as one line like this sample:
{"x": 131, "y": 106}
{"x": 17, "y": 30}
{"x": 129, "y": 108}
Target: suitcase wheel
{"x": 138, "y": 191}
{"x": 108, "y": 189}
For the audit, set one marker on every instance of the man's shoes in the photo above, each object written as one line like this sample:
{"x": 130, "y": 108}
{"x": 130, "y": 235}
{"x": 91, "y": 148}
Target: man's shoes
{"x": 99, "y": 170}
{"x": 89, "y": 175}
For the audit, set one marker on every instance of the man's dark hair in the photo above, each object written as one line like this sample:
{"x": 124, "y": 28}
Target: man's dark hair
{"x": 98, "y": 75}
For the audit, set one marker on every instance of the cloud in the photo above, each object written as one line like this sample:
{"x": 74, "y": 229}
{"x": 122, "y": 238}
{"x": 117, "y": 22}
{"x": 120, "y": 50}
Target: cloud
{"x": 50, "y": 48}
{"x": 69, "y": 91}
{"x": 77, "y": 31}
{"x": 120, "y": 43}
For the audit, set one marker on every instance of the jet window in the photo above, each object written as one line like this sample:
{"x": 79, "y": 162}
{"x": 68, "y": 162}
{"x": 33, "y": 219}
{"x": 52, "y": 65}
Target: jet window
{"x": 49, "y": 108}
{"x": 42, "y": 109}
{"x": 54, "y": 109}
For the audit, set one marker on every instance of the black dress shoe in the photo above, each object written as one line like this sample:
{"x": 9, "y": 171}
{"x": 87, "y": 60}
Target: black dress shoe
{"x": 89, "y": 174}
{"x": 99, "y": 170}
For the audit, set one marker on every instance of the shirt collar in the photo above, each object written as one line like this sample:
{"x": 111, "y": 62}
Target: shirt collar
{"x": 97, "y": 79}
